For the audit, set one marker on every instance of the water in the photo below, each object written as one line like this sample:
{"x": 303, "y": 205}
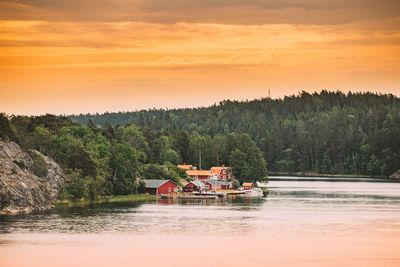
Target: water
{"x": 302, "y": 222}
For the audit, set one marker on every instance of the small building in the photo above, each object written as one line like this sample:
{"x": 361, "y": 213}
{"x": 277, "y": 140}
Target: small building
{"x": 222, "y": 173}
{"x": 199, "y": 174}
{"x": 247, "y": 186}
{"x": 226, "y": 185}
{"x": 211, "y": 184}
{"x": 187, "y": 167}
{"x": 158, "y": 187}
{"x": 194, "y": 186}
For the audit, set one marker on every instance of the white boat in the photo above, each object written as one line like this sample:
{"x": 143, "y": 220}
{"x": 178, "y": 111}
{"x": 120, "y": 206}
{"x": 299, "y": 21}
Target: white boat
{"x": 255, "y": 192}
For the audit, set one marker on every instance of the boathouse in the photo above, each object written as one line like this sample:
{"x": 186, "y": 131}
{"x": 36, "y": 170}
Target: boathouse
{"x": 195, "y": 185}
{"x": 158, "y": 187}
{"x": 211, "y": 184}
{"x": 226, "y": 185}
{"x": 247, "y": 186}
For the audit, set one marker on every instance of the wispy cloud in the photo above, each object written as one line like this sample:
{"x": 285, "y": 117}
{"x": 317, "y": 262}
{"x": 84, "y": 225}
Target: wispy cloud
{"x": 191, "y": 51}
{"x": 205, "y": 11}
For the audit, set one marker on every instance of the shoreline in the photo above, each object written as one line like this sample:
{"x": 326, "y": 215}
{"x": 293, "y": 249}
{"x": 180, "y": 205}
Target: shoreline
{"x": 110, "y": 199}
{"x": 312, "y": 174}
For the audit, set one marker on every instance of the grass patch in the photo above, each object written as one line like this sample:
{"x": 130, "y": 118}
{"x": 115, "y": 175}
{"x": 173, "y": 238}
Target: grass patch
{"x": 121, "y": 198}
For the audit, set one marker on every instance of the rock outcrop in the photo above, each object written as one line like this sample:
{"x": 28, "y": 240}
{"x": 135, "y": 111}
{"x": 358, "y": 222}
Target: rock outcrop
{"x": 21, "y": 190}
{"x": 395, "y": 175}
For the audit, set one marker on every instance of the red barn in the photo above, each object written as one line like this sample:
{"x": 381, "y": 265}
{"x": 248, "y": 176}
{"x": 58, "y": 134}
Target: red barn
{"x": 158, "y": 187}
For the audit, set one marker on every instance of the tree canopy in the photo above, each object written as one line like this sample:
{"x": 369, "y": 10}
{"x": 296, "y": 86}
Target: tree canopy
{"x": 326, "y": 132}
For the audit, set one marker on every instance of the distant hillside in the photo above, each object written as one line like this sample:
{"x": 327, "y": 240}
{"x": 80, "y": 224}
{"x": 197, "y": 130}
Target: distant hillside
{"x": 327, "y": 132}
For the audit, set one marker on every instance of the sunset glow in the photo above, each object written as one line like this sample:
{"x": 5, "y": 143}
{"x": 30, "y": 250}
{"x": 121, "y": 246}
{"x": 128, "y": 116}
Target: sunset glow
{"x": 68, "y": 57}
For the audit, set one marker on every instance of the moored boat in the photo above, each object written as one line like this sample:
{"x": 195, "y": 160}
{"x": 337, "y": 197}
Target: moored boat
{"x": 255, "y": 192}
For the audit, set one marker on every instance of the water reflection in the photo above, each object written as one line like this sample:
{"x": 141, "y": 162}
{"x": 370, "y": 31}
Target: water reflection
{"x": 298, "y": 205}
{"x": 309, "y": 218}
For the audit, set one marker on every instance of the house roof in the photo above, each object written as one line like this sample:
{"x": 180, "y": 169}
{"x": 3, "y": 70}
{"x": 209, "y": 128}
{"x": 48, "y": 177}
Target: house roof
{"x": 155, "y": 183}
{"x": 196, "y": 183}
{"x": 224, "y": 183}
{"x": 217, "y": 170}
{"x": 247, "y": 184}
{"x": 187, "y": 167}
{"x": 198, "y": 172}
{"x": 210, "y": 181}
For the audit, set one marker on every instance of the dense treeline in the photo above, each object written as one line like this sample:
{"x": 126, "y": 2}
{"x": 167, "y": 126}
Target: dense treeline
{"x": 326, "y": 132}
{"x": 105, "y": 160}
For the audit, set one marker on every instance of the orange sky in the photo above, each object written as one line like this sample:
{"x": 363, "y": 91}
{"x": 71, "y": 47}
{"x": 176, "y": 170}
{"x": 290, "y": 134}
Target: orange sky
{"x": 70, "y": 56}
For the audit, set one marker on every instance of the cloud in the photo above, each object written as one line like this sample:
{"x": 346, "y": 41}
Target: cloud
{"x": 248, "y": 12}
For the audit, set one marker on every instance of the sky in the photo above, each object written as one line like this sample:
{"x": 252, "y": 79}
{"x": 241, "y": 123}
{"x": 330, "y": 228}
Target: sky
{"x": 74, "y": 56}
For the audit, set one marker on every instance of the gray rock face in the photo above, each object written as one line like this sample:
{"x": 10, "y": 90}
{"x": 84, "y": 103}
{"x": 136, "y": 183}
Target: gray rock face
{"x": 395, "y": 175}
{"x": 20, "y": 189}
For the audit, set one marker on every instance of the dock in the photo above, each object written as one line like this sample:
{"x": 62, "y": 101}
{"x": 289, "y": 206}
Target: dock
{"x": 190, "y": 197}
{"x": 198, "y": 197}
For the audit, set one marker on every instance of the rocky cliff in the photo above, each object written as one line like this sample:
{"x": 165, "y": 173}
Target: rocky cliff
{"x": 28, "y": 181}
{"x": 395, "y": 175}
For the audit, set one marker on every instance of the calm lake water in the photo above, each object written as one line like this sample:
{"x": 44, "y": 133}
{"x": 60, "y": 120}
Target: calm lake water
{"x": 302, "y": 222}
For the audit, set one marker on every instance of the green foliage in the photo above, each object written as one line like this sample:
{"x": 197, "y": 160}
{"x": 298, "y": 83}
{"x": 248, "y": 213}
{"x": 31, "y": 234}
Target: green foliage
{"x": 20, "y": 164}
{"x": 124, "y": 163}
{"x": 246, "y": 159}
{"x": 134, "y": 137}
{"x": 181, "y": 145}
{"x": 3, "y": 200}
{"x": 75, "y": 187}
{"x": 43, "y": 140}
{"x": 81, "y": 187}
{"x": 6, "y": 133}
{"x": 239, "y": 165}
{"x": 163, "y": 172}
{"x": 141, "y": 187}
{"x": 326, "y": 132}
{"x": 236, "y": 183}
{"x": 39, "y": 165}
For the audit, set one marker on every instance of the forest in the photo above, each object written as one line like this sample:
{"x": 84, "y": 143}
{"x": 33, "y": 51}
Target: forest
{"x": 104, "y": 161}
{"x": 325, "y": 132}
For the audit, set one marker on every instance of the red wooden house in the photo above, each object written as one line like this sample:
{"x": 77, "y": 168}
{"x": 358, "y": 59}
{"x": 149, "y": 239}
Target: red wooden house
{"x": 158, "y": 187}
{"x": 199, "y": 174}
{"x": 222, "y": 173}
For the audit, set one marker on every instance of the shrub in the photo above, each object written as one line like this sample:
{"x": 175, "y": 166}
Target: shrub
{"x": 39, "y": 165}
{"x": 20, "y": 164}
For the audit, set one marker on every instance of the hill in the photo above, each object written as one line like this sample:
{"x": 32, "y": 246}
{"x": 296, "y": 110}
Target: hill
{"x": 326, "y": 132}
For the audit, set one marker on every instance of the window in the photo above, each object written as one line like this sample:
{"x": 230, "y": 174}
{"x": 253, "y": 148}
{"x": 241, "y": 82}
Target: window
{"x": 169, "y": 189}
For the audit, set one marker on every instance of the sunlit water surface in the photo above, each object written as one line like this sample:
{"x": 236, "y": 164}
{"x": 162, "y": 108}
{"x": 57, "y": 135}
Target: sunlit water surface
{"x": 323, "y": 222}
